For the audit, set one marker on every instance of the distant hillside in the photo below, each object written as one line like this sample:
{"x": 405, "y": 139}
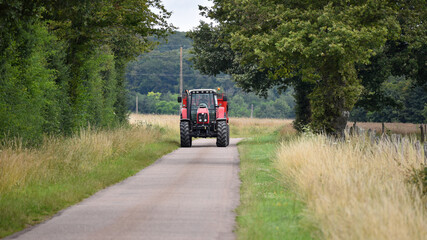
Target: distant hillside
{"x": 158, "y": 72}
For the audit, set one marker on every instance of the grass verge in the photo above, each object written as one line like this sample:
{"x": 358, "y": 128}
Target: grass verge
{"x": 37, "y": 183}
{"x": 268, "y": 209}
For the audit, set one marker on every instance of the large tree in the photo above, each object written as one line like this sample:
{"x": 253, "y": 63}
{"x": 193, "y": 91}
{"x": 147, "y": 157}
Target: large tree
{"x": 319, "y": 41}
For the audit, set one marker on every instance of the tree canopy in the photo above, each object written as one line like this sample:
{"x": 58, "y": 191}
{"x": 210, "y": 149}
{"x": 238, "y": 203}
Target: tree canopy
{"x": 62, "y": 63}
{"x": 320, "y": 43}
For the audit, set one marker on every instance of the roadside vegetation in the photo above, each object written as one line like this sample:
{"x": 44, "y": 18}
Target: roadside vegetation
{"x": 35, "y": 183}
{"x": 355, "y": 189}
{"x": 268, "y": 208}
{"x": 307, "y": 186}
{"x": 293, "y": 186}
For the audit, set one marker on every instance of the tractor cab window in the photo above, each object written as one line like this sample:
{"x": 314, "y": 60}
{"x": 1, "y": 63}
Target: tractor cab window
{"x": 202, "y": 100}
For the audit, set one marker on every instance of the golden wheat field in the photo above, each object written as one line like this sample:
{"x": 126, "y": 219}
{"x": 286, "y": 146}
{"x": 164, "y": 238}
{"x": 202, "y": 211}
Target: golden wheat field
{"x": 355, "y": 190}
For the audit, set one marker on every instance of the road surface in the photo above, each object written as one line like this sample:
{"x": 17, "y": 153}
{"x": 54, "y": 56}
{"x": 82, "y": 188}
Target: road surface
{"x": 188, "y": 194}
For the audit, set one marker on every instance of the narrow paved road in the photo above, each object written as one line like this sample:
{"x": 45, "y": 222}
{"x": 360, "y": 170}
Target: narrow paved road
{"x": 188, "y": 194}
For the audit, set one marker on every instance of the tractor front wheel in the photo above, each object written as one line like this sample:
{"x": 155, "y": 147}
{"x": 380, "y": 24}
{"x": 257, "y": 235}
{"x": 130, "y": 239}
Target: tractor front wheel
{"x": 221, "y": 139}
{"x": 186, "y": 140}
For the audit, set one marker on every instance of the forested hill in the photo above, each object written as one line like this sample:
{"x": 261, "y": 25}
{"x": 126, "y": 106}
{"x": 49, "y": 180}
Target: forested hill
{"x": 158, "y": 70}
{"x": 154, "y": 76}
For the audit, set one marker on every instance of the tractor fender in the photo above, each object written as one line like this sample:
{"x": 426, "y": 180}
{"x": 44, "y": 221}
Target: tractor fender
{"x": 220, "y": 113}
{"x": 183, "y": 113}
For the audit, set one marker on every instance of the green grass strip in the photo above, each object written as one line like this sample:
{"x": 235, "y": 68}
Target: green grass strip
{"x": 267, "y": 209}
{"x": 38, "y": 202}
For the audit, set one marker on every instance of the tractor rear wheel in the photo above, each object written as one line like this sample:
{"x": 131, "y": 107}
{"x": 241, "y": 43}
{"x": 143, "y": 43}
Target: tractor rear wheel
{"x": 186, "y": 140}
{"x": 221, "y": 139}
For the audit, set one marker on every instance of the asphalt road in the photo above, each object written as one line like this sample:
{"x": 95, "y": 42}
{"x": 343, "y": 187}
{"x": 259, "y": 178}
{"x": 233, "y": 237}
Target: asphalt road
{"x": 188, "y": 194}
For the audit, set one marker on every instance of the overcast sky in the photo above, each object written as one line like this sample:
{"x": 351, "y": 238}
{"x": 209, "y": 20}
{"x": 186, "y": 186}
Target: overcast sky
{"x": 185, "y": 13}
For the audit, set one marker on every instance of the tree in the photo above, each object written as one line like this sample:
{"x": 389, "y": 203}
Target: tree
{"x": 214, "y": 55}
{"x": 123, "y": 26}
{"x": 320, "y": 41}
{"x": 322, "y": 45}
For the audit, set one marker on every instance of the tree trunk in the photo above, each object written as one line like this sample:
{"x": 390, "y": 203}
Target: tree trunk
{"x": 303, "y": 107}
{"x": 332, "y": 99}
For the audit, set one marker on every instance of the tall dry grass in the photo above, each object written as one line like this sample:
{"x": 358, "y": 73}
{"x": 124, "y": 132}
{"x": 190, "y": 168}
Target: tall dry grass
{"x": 70, "y": 156}
{"x": 170, "y": 122}
{"x": 356, "y": 190}
{"x": 248, "y": 127}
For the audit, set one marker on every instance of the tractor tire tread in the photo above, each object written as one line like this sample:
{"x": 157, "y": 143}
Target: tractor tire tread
{"x": 221, "y": 139}
{"x": 186, "y": 140}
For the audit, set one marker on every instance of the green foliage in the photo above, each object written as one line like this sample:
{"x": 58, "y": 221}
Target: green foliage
{"x": 214, "y": 55}
{"x": 28, "y": 90}
{"x": 320, "y": 43}
{"x": 62, "y": 63}
{"x": 94, "y": 99}
{"x": 424, "y": 112}
{"x": 397, "y": 59}
{"x": 410, "y": 101}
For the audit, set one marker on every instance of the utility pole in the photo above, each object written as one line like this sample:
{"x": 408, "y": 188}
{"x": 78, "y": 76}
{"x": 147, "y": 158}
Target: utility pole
{"x": 136, "y": 101}
{"x": 180, "y": 73}
{"x": 252, "y": 110}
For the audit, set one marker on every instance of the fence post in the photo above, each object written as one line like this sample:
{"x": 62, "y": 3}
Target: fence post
{"x": 371, "y": 134}
{"x": 422, "y": 133}
{"x": 425, "y": 154}
{"x": 136, "y": 103}
{"x": 382, "y": 128}
{"x": 417, "y": 146}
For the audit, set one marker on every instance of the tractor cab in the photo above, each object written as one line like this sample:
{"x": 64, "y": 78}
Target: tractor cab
{"x": 205, "y": 114}
{"x": 202, "y": 107}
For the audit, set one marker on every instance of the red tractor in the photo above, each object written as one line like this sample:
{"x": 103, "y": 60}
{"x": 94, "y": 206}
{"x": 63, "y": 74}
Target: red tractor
{"x": 204, "y": 113}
